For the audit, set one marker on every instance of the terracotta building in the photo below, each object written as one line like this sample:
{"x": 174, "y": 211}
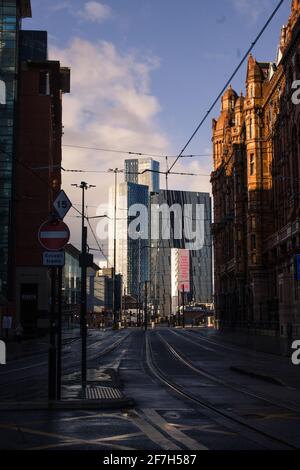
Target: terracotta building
{"x": 256, "y": 146}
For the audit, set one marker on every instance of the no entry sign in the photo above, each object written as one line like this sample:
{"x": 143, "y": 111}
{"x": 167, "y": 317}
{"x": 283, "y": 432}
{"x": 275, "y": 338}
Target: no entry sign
{"x": 54, "y": 235}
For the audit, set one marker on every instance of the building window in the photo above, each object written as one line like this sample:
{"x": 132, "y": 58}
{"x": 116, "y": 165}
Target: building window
{"x": 252, "y": 165}
{"x": 253, "y": 242}
{"x": 253, "y": 223}
{"x": 2, "y": 92}
{"x": 44, "y": 85}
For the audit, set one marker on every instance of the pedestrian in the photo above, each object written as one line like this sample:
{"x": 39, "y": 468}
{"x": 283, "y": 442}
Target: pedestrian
{"x": 19, "y": 333}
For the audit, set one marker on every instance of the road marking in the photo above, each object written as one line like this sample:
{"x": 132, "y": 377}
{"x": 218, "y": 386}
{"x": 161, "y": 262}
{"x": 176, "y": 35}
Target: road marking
{"x": 51, "y": 446}
{"x": 205, "y": 427}
{"x": 120, "y": 437}
{"x": 172, "y": 431}
{"x": 151, "y": 432}
{"x": 69, "y": 439}
{"x": 105, "y": 439}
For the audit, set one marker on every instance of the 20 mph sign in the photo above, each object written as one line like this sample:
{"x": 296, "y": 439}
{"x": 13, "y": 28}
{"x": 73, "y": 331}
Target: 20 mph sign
{"x": 54, "y": 235}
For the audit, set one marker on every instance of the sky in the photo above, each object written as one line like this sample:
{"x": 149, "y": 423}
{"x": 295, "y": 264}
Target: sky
{"x": 143, "y": 74}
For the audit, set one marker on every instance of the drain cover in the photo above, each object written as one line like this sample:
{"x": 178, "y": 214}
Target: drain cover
{"x": 103, "y": 393}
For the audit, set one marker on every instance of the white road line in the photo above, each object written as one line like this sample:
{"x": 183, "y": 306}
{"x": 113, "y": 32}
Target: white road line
{"x": 173, "y": 431}
{"x": 151, "y": 432}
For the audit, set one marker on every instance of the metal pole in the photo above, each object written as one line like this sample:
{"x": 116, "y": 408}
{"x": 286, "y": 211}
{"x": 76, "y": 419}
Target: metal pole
{"x": 139, "y": 279}
{"x": 115, "y": 248}
{"x": 83, "y": 291}
{"x": 178, "y": 303}
{"x": 146, "y": 305}
{"x": 183, "y": 320}
{"x": 52, "y": 346}
{"x": 59, "y": 333}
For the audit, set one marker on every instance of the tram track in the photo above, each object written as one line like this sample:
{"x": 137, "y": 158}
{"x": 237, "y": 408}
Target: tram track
{"x": 213, "y": 411}
{"x": 225, "y": 383}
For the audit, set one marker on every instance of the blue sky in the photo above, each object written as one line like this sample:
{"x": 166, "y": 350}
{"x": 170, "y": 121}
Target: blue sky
{"x": 145, "y": 71}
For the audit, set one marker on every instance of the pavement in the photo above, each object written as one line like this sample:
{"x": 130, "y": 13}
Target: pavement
{"x": 267, "y": 344}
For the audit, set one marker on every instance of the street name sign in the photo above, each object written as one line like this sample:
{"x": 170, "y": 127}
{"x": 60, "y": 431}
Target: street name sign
{"x": 54, "y": 258}
{"x": 54, "y": 235}
{"x": 62, "y": 204}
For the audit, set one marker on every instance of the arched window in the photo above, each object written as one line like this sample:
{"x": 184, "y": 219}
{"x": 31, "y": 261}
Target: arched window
{"x": 2, "y": 92}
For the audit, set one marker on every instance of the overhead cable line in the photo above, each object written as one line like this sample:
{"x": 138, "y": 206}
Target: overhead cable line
{"x": 253, "y": 44}
{"x": 138, "y": 154}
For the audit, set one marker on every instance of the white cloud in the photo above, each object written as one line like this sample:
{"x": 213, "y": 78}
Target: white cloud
{"x": 252, "y": 9}
{"x": 110, "y": 106}
{"x": 91, "y": 11}
{"x": 95, "y": 11}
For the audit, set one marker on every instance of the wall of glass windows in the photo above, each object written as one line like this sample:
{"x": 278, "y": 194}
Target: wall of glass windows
{"x": 9, "y": 29}
{"x": 71, "y": 280}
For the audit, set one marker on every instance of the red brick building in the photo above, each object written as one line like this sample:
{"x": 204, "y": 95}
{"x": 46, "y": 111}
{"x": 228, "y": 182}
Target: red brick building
{"x": 255, "y": 184}
{"x": 37, "y": 179}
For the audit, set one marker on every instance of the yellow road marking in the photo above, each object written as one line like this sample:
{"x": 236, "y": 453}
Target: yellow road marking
{"x": 62, "y": 437}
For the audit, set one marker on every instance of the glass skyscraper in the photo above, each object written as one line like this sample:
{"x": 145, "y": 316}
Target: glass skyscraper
{"x": 11, "y": 13}
{"x": 143, "y": 171}
{"x": 131, "y": 254}
{"x": 200, "y": 262}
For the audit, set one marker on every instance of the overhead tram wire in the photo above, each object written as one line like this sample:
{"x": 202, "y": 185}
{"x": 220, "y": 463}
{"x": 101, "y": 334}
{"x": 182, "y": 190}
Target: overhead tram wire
{"x": 32, "y": 171}
{"x": 253, "y": 44}
{"x": 138, "y": 154}
{"x": 134, "y": 173}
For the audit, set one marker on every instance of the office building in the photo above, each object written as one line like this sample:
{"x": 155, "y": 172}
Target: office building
{"x": 30, "y": 161}
{"x": 184, "y": 228}
{"x": 11, "y": 14}
{"x": 144, "y": 171}
{"x": 131, "y": 254}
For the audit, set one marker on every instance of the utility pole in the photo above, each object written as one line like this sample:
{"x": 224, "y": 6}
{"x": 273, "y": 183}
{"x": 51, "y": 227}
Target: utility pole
{"x": 52, "y": 369}
{"x": 146, "y": 305}
{"x": 83, "y": 301}
{"x": 183, "y": 320}
{"x": 116, "y": 171}
{"x": 59, "y": 333}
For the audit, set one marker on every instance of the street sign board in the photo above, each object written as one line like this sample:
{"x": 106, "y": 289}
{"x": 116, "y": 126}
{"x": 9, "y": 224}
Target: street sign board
{"x": 7, "y": 322}
{"x": 54, "y": 235}
{"x": 54, "y": 258}
{"x": 62, "y": 204}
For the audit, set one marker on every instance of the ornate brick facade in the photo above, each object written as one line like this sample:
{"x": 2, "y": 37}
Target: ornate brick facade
{"x": 256, "y": 146}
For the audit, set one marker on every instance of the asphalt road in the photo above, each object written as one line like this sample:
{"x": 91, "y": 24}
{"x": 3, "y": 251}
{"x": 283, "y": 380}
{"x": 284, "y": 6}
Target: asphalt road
{"x": 190, "y": 392}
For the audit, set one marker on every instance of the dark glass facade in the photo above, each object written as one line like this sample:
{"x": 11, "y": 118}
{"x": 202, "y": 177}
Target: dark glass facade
{"x": 33, "y": 46}
{"x": 200, "y": 259}
{"x": 9, "y": 36}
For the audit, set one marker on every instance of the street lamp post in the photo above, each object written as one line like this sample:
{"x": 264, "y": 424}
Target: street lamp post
{"x": 83, "y": 301}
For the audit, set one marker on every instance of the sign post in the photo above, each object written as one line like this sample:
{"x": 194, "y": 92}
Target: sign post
{"x": 53, "y": 236}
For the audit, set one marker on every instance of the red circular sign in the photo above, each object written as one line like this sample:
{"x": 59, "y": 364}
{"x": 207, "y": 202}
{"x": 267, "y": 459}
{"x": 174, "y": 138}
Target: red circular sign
{"x": 54, "y": 235}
